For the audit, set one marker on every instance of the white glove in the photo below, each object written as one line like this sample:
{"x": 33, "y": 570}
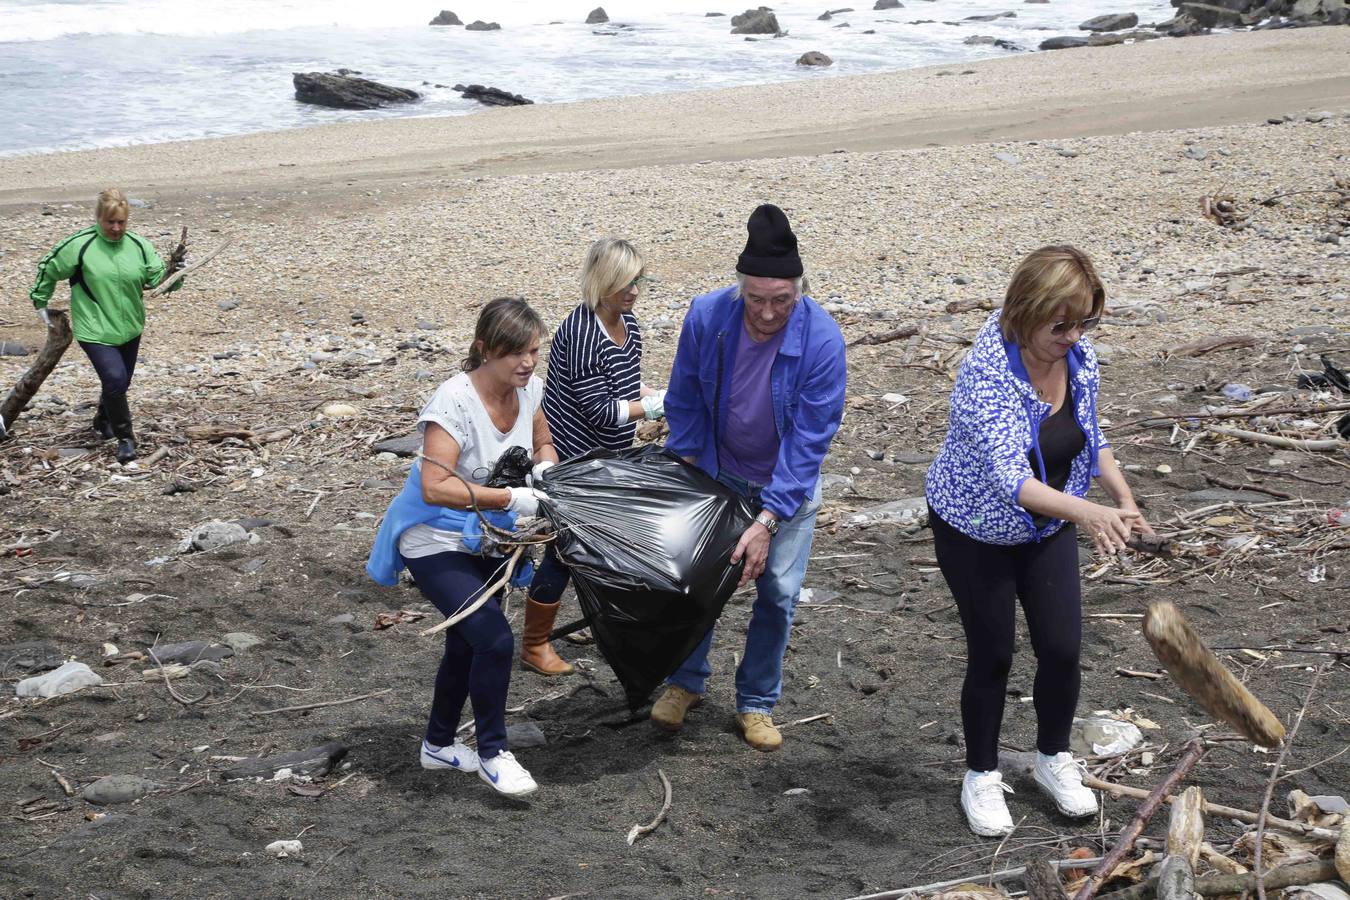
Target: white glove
{"x": 45, "y": 316}
{"x": 654, "y": 405}
{"x": 537, "y": 473}
{"x": 525, "y": 501}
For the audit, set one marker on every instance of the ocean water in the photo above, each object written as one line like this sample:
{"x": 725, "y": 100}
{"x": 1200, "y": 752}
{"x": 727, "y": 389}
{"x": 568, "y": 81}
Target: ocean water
{"x": 76, "y": 74}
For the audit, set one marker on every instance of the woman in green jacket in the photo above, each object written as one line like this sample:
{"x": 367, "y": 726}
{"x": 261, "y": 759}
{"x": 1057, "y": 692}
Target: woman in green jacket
{"x": 108, "y": 267}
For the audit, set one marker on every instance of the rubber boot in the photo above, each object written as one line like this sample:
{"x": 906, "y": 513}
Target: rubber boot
{"x": 101, "y": 426}
{"x": 119, "y": 416}
{"x": 536, "y": 653}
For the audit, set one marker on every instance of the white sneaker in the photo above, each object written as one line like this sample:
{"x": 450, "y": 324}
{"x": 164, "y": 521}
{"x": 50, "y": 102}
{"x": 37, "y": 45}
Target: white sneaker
{"x": 1061, "y": 776}
{"x": 458, "y": 756}
{"x": 982, "y": 799}
{"x": 506, "y": 776}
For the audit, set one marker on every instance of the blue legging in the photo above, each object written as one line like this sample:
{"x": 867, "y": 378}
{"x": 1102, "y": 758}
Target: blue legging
{"x": 478, "y": 650}
{"x": 114, "y": 364}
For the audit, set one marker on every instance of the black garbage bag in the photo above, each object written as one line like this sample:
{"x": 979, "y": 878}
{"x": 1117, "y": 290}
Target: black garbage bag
{"x": 648, "y": 538}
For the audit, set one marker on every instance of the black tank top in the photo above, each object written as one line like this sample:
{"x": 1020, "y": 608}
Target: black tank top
{"x": 1061, "y": 440}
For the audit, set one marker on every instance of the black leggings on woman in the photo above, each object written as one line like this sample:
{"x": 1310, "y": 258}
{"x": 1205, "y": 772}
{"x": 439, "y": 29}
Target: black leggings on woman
{"x": 987, "y": 580}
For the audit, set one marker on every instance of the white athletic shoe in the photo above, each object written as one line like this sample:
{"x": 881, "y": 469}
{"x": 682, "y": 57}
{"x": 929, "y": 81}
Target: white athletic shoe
{"x": 458, "y": 756}
{"x": 1061, "y": 776}
{"x": 506, "y": 776}
{"x": 982, "y": 799}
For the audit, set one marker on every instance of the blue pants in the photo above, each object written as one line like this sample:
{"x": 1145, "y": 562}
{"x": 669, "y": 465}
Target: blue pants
{"x": 478, "y": 650}
{"x": 759, "y": 679}
{"x": 550, "y": 579}
{"x": 114, "y": 365}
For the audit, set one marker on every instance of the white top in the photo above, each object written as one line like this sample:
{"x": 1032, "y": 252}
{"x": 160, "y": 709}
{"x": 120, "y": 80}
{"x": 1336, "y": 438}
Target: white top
{"x": 458, "y": 409}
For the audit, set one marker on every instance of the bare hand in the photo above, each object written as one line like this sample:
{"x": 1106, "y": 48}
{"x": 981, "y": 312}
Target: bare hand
{"x": 754, "y": 547}
{"x": 1109, "y": 528}
{"x": 1138, "y": 525}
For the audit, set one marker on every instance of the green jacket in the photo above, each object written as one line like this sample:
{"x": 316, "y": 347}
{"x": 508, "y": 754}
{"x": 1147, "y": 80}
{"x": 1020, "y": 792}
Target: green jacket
{"x": 106, "y": 280}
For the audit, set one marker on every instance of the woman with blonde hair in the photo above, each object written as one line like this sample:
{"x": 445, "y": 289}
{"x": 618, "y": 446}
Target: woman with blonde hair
{"x": 1006, "y": 498}
{"x": 593, "y": 399}
{"x": 108, "y": 267}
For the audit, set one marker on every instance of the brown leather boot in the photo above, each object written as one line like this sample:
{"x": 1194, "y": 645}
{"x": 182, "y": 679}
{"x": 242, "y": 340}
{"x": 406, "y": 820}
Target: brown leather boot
{"x": 536, "y": 653}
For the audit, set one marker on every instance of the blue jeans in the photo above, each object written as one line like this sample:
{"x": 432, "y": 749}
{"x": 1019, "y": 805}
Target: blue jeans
{"x": 759, "y": 679}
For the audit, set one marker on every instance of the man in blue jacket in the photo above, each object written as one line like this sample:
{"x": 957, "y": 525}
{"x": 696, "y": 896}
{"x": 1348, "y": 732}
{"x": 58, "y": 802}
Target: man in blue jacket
{"x": 755, "y": 397}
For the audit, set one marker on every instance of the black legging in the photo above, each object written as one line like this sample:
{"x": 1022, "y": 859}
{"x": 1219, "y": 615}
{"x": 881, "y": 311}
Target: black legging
{"x": 114, "y": 364}
{"x": 986, "y": 580}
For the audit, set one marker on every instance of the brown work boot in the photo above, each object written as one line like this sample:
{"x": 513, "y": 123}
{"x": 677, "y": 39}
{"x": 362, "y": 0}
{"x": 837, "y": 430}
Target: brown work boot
{"x": 759, "y": 731}
{"x": 670, "y": 708}
{"x": 536, "y": 653}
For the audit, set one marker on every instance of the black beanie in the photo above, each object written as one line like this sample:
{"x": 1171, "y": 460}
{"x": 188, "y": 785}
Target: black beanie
{"x": 771, "y": 250}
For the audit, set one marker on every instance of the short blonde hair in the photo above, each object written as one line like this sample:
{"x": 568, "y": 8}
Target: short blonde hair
{"x": 1047, "y": 281}
{"x": 110, "y": 200}
{"x": 611, "y": 265}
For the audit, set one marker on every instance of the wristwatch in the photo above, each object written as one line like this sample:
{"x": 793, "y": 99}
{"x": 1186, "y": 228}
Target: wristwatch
{"x": 769, "y": 522}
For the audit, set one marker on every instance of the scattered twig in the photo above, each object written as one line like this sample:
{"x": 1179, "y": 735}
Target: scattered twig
{"x": 304, "y": 706}
{"x": 990, "y": 878}
{"x": 808, "y": 720}
{"x": 638, "y": 831}
{"x": 1248, "y": 486}
{"x": 1223, "y": 885}
{"x": 484, "y": 596}
{"x": 886, "y": 337}
{"x": 1256, "y": 437}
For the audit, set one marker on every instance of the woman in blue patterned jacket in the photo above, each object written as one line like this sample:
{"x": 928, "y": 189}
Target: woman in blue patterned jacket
{"x": 1006, "y": 498}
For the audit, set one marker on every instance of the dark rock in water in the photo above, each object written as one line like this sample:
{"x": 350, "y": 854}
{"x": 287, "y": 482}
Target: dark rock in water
{"x": 524, "y": 735}
{"x": 346, "y": 92}
{"x": 713, "y": 15}
{"x": 445, "y": 17}
{"x": 978, "y": 39}
{"x": 597, "y": 16}
{"x": 1067, "y": 42}
{"x": 1120, "y": 37}
{"x": 1183, "y": 25}
{"x": 991, "y": 17}
{"x": 755, "y": 21}
{"x": 1110, "y": 22}
{"x": 30, "y": 656}
{"x": 888, "y": 4}
{"x": 311, "y": 763}
{"x": 408, "y": 445}
{"x": 1211, "y": 15}
{"x": 190, "y": 652}
{"x": 814, "y": 58}
{"x": 480, "y": 25}
{"x": 118, "y": 789}
{"x": 489, "y": 96}
{"x": 9, "y": 348}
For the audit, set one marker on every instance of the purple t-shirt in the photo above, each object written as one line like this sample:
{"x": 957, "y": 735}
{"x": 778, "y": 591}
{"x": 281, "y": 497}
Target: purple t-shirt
{"x": 750, "y": 439}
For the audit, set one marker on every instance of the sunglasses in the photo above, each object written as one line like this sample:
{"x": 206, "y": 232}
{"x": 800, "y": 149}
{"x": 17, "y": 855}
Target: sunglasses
{"x": 1081, "y": 325}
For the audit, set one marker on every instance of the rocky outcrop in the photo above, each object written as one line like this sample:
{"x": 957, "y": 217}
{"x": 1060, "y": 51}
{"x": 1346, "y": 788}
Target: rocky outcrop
{"x": 480, "y": 25}
{"x": 1067, "y": 42}
{"x": 814, "y": 58}
{"x": 597, "y": 16}
{"x": 1198, "y": 16}
{"x": 887, "y": 4}
{"x": 831, "y": 13}
{"x": 445, "y": 17}
{"x": 755, "y": 21}
{"x": 1110, "y": 22}
{"x": 1106, "y": 39}
{"x": 1000, "y": 43}
{"x": 491, "y": 96}
{"x": 346, "y": 91}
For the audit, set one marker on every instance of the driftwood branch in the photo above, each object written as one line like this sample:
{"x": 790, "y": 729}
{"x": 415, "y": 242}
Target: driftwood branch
{"x": 1320, "y": 445}
{"x": 638, "y": 831}
{"x": 1194, "y": 750}
{"x": 886, "y": 337}
{"x": 983, "y": 878}
{"x": 58, "y": 339}
{"x": 1209, "y": 345}
{"x": 484, "y": 595}
{"x": 1223, "y": 885}
{"x": 1185, "y": 834}
{"x": 1199, "y": 673}
{"x": 174, "y": 277}
{"x": 305, "y": 706}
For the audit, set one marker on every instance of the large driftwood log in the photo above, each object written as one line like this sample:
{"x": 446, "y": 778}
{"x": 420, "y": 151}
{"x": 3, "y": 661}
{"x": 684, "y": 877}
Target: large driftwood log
{"x": 886, "y": 337}
{"x": 1185, "y": 834}
{"x": 1342, "y": 855}
{"x": 1042, "y": 880}
{"x": 1223, "y": 885}
{"x": 58, "y": 339}
{"x": 1199, "y": 673}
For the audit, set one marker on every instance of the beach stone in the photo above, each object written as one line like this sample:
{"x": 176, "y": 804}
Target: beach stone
{"x": 1065, "y": 42}
{"x": 913, "y": 457}
{"x": 29, "y": 656}
{"x": 242, "y": 641}
{"x": 755, "y": 21}
{"x": 597, "y": 16}
{"x": 445, "y": 17}
{"x": 283, "y": 849}
{"x": 991, "y": 17}
{"x": 118, "y": 789}
{"x": 1210, "y": 15}
{"x": 10, "y": 348}
{"x": 347, "y": 92}
{"x": 887, "y": 4}
{"x": 250, "y": 523}
{"x": 340, "y": 411}
{"x": 909, "y": 511}
{"x": 523, "y": 735}
{"x": 1009, "y": 158}
{"x": 488, "y": 96}
{"x": 480, "y": 25}
{"x": 65, "y": 679}
{"x": 312, "y": 762}
{"x": 1110, "y": 22}
{"x": 214, "y": 535}
{"x": 814, "y": 58}
{"x": 189, "y": 652}
{"x": 227, "y": 305}
{"x": 408, "y": 445}
{"x": 835, "y": 484}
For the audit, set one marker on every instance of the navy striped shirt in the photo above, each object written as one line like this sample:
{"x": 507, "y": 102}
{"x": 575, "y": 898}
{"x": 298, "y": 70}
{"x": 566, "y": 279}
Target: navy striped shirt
{"x": 587, "y": 375}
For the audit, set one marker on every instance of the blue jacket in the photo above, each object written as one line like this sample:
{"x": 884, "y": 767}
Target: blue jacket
{"x": 995, "y": 422}
{"x": 409, "y": 509}
{"x": 807, "y": 384}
